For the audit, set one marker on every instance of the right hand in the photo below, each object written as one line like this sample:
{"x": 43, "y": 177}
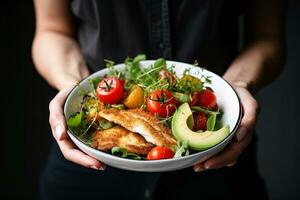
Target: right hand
{"x": 59, "y": 130}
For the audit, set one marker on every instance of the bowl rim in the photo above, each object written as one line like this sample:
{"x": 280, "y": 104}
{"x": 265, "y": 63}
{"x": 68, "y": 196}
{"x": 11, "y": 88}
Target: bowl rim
{"x": 117, "y": 158}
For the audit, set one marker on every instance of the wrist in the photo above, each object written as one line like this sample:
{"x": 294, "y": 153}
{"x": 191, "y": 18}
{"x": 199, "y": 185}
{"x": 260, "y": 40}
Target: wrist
{"x": 249, "y": 85}
{"x": 65, "y": 82}
{"x": 71, "y": 77}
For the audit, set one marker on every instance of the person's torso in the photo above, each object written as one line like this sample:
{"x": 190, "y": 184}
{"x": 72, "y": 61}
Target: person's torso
{"x": 204, "y": 30}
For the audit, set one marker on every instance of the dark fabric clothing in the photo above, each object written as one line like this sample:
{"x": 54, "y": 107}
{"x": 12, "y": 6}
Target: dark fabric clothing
{"x": 203, "y": 30}
{"x": 63, "y": 180}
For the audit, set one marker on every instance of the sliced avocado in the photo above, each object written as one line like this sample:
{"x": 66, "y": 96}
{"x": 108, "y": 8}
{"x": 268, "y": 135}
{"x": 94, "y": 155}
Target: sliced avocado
{"x": 197, "y": 141}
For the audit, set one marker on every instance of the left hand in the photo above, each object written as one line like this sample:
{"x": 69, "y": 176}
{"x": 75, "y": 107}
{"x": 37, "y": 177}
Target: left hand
{"x": 230, "y": 154}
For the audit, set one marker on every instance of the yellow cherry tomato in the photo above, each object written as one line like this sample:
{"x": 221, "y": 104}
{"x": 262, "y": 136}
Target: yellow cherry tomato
{"x": 135, "y": 97}
{"x": 191, "y": 79}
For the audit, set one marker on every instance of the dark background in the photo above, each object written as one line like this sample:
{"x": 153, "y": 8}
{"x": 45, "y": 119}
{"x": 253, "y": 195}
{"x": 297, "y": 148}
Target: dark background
{"x": 25, "y": 136}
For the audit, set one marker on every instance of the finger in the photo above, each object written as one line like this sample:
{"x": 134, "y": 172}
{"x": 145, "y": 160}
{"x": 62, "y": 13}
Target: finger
{"x": 58, "y": 126}
{"x": 56, "y": 118}
{"x": 231, "y": 164}
{"x": 72, "y": 154}
{"x": 250, "y": 107}
{"x": 198, "y": 167}
{"x": 229, "y": 155}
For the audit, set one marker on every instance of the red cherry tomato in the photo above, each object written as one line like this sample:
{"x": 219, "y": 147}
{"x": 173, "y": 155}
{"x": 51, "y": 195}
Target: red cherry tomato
{"x": 207, "y": 99}
{"x": 199, "y": 121}
{"x": 195, "y": 99}
{"x": 158, "y": 153}
{"x": 122, "y": 82}
{"x": 161, "y": 102}
{"x": 110, "y": 90}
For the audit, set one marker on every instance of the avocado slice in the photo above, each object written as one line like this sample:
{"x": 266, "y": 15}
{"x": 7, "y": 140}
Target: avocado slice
{"x": 181, "y": 124}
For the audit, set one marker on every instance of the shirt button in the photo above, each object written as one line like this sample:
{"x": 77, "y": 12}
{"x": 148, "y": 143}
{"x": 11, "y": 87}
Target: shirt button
{"x": 147, "y": 194}
{"x": 161, "y": 45}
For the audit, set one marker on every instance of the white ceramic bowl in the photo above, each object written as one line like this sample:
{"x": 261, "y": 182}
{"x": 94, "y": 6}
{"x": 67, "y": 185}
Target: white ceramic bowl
{"x": 227, "y": 100}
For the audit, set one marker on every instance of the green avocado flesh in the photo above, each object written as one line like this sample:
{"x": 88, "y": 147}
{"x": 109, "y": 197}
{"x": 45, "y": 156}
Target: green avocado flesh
{"x": 198, "y": 141}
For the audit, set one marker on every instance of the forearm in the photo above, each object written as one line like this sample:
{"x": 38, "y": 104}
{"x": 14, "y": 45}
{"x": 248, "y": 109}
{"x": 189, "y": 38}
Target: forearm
{"x": 257, "y": 65}
{"x": 58, "y": 59}
{"x": 263, "y": 56}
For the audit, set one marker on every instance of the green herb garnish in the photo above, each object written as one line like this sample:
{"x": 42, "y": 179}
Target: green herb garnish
{"x": 181, "y": 97}
{"x": 122, "y": 152}
{"x": 75, "y": 121}
{"x": 211, "y": 122}
{"x": 118, "y": 106}
{"x": 94, "y": 82}
{"x": 160, "y": 62}
{"x": 133, "y": 67}
{"x": 206, "y": 111}
{"x": 181, "y": 149}
{"x": 105, "y": 124}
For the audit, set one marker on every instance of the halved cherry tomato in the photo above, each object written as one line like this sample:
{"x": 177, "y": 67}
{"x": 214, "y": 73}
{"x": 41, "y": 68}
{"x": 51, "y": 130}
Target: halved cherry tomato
{"x": 199, "y": 121}
{"x": 207, "y": 99}
{"x": 110, "y": 90}
{"x": 159, "y": 152}
{"x": 194, "y": 98}
{"x": 161, "y": 102}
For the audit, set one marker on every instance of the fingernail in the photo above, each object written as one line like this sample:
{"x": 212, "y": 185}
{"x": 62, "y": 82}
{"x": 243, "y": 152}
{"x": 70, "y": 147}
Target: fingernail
{"x": 231, "y": 164}
{"x": 59, "y": 131}
{"x": 206, "y": 166}
{"x": 198, "y": 169}
{"x": 241, "y": 134}
{"x": 101, "y": 168}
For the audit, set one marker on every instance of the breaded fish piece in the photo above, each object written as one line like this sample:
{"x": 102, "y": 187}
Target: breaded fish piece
{"x": 139, "y": 121}
{"x": 118, "y": 136}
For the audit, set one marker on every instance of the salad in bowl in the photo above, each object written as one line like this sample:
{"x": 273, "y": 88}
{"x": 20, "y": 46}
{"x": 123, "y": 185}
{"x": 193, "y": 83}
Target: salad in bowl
{"x": 140, "y": 114}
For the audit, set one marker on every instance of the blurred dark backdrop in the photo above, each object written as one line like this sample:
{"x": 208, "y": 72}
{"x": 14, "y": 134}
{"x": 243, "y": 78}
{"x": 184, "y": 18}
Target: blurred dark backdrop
{"x": 25, "y": 136}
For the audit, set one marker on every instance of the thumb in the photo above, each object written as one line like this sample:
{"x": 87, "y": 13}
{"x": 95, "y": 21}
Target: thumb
{"x": 56, "y": 118}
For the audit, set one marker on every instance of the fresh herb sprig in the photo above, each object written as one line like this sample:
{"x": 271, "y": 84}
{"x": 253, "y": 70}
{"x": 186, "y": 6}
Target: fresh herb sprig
{"x": 146, "y": 78}
{"x": 122, "y": 152}
{"x": 181, "y": 149}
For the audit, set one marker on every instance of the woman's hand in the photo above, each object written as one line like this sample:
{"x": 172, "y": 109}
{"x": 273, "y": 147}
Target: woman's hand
{"x": 230, "y": 154}
{"x": 58, "y": 58}
{"x": 59, "y": 130}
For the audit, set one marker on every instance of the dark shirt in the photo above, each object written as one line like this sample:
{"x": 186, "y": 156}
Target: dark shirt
{"x": 202, "y": 30}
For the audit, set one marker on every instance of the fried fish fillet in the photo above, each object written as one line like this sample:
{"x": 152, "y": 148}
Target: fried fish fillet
{"x": 118, "y": 136}
{"x": 139, "y": 121}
